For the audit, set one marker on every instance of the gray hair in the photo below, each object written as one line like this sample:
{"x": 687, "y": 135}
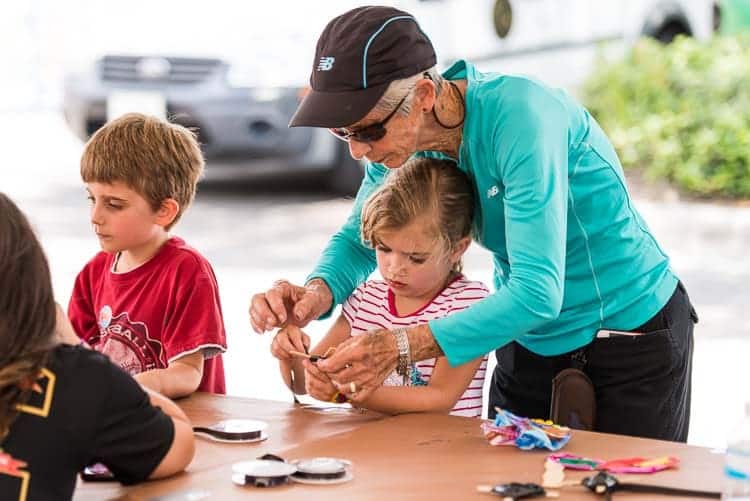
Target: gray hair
{"x": 405, "y": 86}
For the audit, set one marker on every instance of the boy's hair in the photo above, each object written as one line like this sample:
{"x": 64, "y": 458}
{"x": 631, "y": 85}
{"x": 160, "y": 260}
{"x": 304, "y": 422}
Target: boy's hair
{"x": 157, "y": 159}
{"x": 27, "y": 311}
{"x": 422, "y": 187}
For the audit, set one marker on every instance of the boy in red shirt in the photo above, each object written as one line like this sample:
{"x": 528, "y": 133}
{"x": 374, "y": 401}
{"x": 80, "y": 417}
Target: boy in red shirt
{"x": 148, "y": 301}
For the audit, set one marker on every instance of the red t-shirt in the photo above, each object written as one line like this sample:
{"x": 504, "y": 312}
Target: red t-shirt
{"x": 154, "y": 314}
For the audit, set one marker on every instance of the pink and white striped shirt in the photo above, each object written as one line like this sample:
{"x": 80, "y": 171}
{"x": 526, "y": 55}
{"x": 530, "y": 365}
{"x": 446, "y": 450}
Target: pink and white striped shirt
{"x": 372, "y": 306}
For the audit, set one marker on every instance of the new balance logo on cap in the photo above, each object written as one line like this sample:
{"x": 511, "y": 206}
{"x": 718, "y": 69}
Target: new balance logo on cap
{"x": 326, "y": 63}
{"x": 373, "y": 46}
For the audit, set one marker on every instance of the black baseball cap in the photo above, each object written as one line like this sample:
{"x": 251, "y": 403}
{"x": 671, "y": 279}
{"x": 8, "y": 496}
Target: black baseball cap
{"x": 358, "y": 54}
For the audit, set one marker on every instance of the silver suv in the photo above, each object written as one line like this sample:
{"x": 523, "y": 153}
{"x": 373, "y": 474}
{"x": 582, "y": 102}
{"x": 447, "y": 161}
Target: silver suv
{"x": 243, "y": 130}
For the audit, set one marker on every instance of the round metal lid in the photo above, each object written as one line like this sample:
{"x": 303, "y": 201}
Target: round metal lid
{"x": 263, "y": 468}
{"x": 321, "y": 465}
{"x": 239, "y": 426}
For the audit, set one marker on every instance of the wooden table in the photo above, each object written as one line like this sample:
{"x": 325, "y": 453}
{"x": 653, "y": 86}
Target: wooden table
{"x": 404, "y": 457}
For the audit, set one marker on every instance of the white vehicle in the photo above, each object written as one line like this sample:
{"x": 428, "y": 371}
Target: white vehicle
{"x": 556, "y": 41}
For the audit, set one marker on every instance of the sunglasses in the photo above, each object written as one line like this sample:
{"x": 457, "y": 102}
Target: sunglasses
{"x": 371, "y": 133}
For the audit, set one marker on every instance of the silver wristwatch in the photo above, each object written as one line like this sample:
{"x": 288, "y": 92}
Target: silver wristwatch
{"x": 403, "y": 367}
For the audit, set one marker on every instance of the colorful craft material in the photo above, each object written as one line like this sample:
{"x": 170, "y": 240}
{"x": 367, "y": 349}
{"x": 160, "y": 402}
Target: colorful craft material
{"x": 524, "y": 433}
{"x": 624, "y": 465}
{"x": 554, "y": 474}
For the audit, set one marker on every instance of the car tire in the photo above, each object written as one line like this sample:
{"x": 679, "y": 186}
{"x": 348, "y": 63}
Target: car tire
{"x": 346, "y": 177}
{"x": 669, "y": 32}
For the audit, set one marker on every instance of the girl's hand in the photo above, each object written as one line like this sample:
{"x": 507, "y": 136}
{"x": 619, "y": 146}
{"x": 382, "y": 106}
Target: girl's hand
{"x": 290, "y": 338}
{"x": 286, "y": 303}
{"x": 317, "y": 383}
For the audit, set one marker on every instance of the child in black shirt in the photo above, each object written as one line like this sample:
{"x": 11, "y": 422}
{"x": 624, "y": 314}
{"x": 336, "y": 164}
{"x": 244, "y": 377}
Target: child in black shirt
{"x": 64, "y": 407}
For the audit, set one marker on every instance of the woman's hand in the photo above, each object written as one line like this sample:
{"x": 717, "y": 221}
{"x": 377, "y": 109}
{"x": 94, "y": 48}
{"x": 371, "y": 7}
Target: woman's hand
{"x": 286, "y": 303}
{"x": 361, "y": 363}
{"x": 317, "y": 383}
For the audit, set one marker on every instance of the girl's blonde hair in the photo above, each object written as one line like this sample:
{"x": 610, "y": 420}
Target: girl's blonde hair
{"x": 27, "y": 311}
{"x": 422, "y": 187}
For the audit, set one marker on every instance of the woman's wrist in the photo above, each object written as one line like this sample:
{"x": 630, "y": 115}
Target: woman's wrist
{"x": 422, "y": 344}
{"x": 323, "y": 292}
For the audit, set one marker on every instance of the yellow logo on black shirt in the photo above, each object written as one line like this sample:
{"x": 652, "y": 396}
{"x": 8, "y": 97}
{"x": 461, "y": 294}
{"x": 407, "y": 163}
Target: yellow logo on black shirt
{"x": 40, "y": 401}
{"x": 12, "y": 476}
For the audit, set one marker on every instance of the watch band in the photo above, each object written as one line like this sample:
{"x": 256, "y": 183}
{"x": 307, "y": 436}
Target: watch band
{"x": 404, "y": 354}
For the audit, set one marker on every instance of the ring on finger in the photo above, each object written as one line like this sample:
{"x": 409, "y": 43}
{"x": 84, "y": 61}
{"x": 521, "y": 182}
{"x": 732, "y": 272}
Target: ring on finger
{"x": 352, "y": 387}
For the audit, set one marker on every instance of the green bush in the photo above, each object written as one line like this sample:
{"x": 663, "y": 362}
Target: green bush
{"x": 680, "y": 112}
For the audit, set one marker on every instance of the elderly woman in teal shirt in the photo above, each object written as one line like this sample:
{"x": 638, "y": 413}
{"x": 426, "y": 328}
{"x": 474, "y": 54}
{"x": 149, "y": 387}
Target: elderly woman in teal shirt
{"x": 573, "y": 258}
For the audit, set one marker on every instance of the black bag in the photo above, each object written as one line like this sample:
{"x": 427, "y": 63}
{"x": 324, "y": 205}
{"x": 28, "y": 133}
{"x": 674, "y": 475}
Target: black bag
{"x": 573, "y": 400}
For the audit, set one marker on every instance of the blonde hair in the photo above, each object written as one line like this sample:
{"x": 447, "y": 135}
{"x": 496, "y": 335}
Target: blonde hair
{"x": 421, "y": 187}
{"x": 155, "y": 158}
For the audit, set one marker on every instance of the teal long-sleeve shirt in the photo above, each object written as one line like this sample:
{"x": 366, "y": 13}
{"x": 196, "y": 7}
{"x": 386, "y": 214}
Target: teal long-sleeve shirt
{"x": 571, "y": 253}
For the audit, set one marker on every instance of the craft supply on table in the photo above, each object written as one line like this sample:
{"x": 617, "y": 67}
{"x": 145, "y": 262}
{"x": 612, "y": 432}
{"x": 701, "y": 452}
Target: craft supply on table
{"x": 270, "y": 470}
{"x": 262, "y": 472}
{"x": 606, "y": 485}
{"x": 624, "y": 465}
{"x": 97, "y": 472}
{"x": 514, "y": 490}
{"x": 554, "y": 474}
{"x": 234, "y": 431}
{"x": 524, "y": 433}
{"x": 322, "y": 470}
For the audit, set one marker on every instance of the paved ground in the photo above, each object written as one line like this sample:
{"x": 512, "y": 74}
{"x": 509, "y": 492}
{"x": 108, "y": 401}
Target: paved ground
{"x": 255, "y": 233}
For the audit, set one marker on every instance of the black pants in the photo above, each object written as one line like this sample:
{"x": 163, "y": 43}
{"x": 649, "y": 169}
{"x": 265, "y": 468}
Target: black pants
{"x": 642, "y": 383}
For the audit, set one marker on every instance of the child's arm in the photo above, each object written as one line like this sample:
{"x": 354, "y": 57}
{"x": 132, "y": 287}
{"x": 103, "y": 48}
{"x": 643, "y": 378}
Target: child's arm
{"x": 446, "y": 386}
{"x": 287, "y": 339}
{"x": 81, "y": 312}
{"x": 183, "y": 445}
{"x": 180, "y": 379}
{"x": 64, "y": 332}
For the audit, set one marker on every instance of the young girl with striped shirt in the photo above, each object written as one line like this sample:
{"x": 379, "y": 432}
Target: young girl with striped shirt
{"x": 419, "y": 224}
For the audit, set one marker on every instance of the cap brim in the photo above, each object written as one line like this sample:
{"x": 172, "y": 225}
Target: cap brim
{"x": 336, "y": 109}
